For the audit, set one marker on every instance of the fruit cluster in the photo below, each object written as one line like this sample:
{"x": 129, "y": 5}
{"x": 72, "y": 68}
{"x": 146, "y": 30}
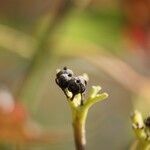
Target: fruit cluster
{"x": 66, "y": 80}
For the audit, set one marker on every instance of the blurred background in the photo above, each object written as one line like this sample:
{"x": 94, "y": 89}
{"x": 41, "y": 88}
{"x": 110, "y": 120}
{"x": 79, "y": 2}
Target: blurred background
{"x": 107, "y": 39}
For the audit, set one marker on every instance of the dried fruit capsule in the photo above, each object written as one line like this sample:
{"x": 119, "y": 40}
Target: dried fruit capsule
{"x": 77, "y": 85}
{"x": 63, "y": 77}
{"x": 65, "y": 71}
{"x": 66, "y": 81}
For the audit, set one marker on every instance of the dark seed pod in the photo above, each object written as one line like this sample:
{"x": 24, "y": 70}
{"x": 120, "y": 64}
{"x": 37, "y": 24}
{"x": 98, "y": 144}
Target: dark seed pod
{"x": 62, "y": 79}
{"x": 147, "y": 122}
{"x": 73, "y": 86}
{"x": 65, "y": 70}
{"x": 77, "y": 85}
{"x": 83, "y": 83}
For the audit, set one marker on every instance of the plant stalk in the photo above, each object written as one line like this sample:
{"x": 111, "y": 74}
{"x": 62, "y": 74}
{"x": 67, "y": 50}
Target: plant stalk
{"x": 139, "y": 145}
{"x": 79, "y": 119}
{"x": 79, "y": 134}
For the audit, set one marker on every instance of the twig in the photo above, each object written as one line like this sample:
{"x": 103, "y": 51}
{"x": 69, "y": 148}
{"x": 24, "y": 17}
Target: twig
{"x": 79, "y": 133}
{"x": 43, "y": 57}
{"x": 79, "y": 115}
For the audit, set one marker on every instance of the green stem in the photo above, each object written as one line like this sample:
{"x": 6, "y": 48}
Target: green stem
{"x": 79, "y": 115}
{"x": 139, "y": 145}
{"x": 79, "y": 129}
{"x": 79, "y": 135}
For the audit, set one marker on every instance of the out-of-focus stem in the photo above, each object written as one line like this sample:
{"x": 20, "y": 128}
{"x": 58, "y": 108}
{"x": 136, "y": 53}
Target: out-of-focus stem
{"x": 138, "y": 145}
{"x": 141, "y": 132}
{"x": 43, "y": 58}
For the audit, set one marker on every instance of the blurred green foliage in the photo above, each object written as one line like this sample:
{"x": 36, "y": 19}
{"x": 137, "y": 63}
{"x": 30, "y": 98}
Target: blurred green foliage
{"x": 100, "y": 27}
